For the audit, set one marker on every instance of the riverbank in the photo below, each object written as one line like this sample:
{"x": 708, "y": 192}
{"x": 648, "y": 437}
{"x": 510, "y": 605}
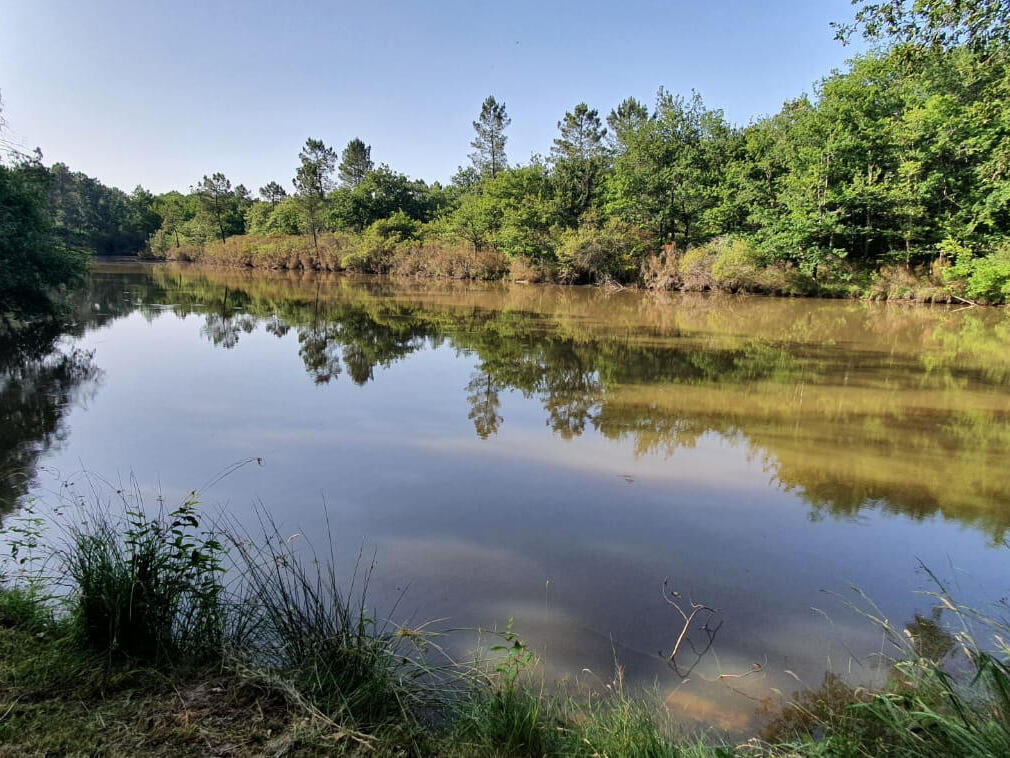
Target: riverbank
{"x": 161, "y": 635}
{"x": 723, "y": 265}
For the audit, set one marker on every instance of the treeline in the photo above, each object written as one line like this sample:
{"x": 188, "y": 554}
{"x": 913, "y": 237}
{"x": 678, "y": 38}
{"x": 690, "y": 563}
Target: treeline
{"x": 91, "y": 216}
{"x": 51, "y": 220}
{"x": 895, "y": 174}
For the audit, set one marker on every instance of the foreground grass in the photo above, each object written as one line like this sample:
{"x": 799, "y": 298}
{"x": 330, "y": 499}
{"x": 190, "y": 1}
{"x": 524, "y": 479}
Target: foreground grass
{"x": 57, "y": 698}
{"x": 137, "y": 646}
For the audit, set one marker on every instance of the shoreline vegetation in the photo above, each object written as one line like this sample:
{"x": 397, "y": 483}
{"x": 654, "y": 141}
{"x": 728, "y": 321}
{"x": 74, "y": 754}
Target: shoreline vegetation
{"x": 180, "y": 638}
{"x": 722, "y": 265}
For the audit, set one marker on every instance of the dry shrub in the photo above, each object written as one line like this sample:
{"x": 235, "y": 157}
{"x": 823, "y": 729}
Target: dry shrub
{"x": 280, "y": 251}
{"x": 452, "y": 260}
{"x": 186, "y": 253}
{"x": 901, "y": 283}
{"x": 522, "y": 269}
{"x": 661, "y": 271}
{"x": 696, "y": 269}
{"x": 725, "y": 264}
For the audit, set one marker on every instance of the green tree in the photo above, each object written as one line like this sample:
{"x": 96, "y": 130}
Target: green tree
{"x": 313, "y": 180}
{"x": 669, "y": 174}
{"x": 272, "y": 193}
{"x": 381, "y": 193}
{"x": 624, "y": 121}
{"x": 579, "y": 161}
{"x": 33, "y": 266}
{"x": 937, "y": 24}
{"x": 355, "y": 163}
{"x": 514, "y": 212}
{"x": 217, "y": 201}
{"x": 489, "y": 143}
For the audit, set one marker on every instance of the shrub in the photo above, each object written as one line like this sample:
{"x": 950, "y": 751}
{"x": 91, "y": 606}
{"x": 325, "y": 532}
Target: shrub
{"x": 278, "y": 251}
{"x": 146, "y": 588}
{"x": 453, "y": 260}
{"x": 738, "y": 265}
{"x": 696, "y": 268}
{"x": 901, "y": 283}
{"x": 595, "y": 254}
{"x": 373, "y": 252}
{"x": 23, "y": 608}
{"x": 661, "y": 271}
{"x": 986, "y": 278}
{"x": 523, "y": 269}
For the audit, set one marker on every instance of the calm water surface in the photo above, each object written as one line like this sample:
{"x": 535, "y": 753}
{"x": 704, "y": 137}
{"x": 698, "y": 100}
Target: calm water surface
{"x": 554, "y": 454}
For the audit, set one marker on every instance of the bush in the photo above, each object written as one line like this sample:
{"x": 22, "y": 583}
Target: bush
{"x": 987, "y": 278}
{"x": 695, "y": 268}
{"x": 373, "y": 252}
{"x": 274, "y": 252}
{"x": 596, "y": 254}
{"x": 23, "y": 608}
{"x": 452, "y": 260}
{"x": 522, "y": 269}
{"x": 146, "y": 588}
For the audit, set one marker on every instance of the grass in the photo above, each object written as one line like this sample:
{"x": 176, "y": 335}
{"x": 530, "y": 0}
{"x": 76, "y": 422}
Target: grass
{"x": 156, "y": 635}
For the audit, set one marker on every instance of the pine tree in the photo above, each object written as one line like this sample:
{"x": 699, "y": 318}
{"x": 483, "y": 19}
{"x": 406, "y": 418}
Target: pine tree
{"x": 489, "y": 144}
{"x": 355, "y": 163}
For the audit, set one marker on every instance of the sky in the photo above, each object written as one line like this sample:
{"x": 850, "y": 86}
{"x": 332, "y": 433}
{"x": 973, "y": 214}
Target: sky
{"x": 160, "y": 94}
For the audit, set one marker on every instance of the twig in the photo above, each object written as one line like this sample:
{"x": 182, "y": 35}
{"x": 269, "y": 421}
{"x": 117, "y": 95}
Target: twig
{"x": 695, "y": 609}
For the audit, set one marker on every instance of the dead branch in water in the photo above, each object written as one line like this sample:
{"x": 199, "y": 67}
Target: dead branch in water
{"x": 971, "y": 303}
{"x": 672, "y": 598}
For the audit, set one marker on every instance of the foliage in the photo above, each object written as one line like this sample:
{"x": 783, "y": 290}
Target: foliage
{"x": 220, "y": 205}
{"x": 373, "y": 250}
{"x": 668, "y": 170}
{"x": 579, "y": 163}
{"x": 272, "y": 193}
{"x": 489, "y": 140}
{"x": 931, "y": 23}
{"x": 147, "y": 587}
{"x": 985, "y": 278}
{"x": 313, "y": 180}
{"x": 89, "y": 216}
{"x": 281, "y": 217}
{"x": 591, "y": 254}
{"x": 355, "y": 163}
{"x": 34, "y": 266}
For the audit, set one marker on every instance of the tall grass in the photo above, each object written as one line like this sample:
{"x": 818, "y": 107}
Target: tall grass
{"x": 294, "y": 618}
{"x": 146, "y": 587}
{"x": 268, "y": 610}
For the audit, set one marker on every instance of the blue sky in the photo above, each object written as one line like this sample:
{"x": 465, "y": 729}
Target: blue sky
{"x": 162, "y": 93}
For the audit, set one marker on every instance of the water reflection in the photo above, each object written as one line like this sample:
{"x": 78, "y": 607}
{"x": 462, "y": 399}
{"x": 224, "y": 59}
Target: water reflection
{"x": 850, "y": 405}
{"x": 40, "y": 379}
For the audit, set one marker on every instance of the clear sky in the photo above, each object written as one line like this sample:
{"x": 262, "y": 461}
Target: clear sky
{"x": 162, "y": 93}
